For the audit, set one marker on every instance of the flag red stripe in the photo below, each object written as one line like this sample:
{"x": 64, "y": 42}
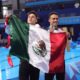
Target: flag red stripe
{"x": 58, "y": 43}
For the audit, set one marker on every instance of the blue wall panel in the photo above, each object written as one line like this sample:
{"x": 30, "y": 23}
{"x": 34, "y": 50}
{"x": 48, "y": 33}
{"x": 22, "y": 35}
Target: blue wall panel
{"x": 34, "y": 3}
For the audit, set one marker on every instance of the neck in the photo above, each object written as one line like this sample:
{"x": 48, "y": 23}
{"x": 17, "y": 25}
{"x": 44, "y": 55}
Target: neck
{"x": 53, "y": 27}
{"x": 33, "y": 24}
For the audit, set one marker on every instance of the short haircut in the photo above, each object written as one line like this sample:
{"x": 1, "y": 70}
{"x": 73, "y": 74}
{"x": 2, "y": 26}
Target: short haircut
{"x": 33, "y": 12}
{"x": 52, "y": 14}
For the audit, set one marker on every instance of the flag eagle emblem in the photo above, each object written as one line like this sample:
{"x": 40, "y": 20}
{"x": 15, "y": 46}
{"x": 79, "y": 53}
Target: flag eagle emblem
{"x": 39, "y": 47}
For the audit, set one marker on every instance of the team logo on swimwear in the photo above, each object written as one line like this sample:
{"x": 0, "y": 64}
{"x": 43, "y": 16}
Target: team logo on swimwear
{"x": 39, "y": 48}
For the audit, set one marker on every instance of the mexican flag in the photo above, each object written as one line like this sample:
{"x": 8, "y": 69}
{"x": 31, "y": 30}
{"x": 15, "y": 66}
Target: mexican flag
{"x": 42, "y": 49}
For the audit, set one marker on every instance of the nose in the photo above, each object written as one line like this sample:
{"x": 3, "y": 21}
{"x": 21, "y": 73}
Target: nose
{"x": 55, "y": 19}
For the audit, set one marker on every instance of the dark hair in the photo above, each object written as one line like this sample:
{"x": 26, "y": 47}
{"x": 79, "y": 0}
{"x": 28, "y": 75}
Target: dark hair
{"x": 33, "y": 12}
{"x": 52, "y": 14}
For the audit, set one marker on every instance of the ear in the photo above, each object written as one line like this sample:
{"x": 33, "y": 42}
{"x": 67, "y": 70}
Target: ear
{"x": 36, "y": 20}
{"x": 48, "y": 20}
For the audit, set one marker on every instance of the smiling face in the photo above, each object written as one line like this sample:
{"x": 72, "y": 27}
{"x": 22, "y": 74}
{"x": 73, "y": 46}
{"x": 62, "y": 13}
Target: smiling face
{"x": 53, "y": 20}
{"x": 32, "y": 19}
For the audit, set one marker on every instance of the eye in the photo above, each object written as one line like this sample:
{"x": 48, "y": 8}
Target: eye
{"x": 55, "y": 18}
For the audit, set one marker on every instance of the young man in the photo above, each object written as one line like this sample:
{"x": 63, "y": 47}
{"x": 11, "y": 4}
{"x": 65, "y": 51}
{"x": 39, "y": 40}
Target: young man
{"x": 53, "y": 28}
{"x": 27, "y": 71}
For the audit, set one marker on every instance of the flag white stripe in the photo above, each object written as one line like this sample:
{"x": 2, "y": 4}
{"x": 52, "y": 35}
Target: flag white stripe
{"x": 38, "y": 61}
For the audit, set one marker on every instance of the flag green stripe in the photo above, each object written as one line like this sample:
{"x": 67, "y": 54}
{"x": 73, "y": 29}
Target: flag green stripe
{"x": 19, "y": 32}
